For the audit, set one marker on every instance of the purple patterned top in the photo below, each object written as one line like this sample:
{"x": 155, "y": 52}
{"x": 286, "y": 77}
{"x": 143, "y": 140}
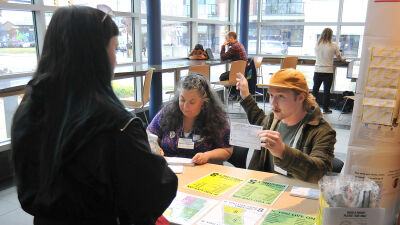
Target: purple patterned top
{"x": 169, "y": 139}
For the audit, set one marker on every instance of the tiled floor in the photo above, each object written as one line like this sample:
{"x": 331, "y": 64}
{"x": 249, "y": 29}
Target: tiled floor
{"x": 12, "y": 214}
{"x": 10, "y": 209}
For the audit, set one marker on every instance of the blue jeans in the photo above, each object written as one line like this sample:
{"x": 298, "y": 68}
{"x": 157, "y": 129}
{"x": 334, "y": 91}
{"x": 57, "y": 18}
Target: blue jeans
{"x": 327, "y": 79}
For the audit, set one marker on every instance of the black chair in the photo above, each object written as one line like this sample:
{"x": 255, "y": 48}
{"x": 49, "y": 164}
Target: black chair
{"x": 337, "y": 165}
{"x": 239, "y": 157}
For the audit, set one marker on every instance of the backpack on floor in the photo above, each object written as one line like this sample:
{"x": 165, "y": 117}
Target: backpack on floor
{"x": 349, "y": 105}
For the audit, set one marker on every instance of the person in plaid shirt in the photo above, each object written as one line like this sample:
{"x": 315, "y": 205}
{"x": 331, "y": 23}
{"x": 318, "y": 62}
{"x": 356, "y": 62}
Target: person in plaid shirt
{"x": 236, "y": 50}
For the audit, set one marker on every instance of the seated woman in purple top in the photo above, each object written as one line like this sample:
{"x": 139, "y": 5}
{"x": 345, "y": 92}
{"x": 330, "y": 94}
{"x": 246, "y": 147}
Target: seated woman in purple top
{"x": 194, "y": 125}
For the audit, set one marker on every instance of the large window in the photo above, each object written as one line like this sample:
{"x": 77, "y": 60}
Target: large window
{"x": 175, "y": 8}
{"x": 252, "y": 44}
{"x": 125, "y": 43}
{"x": 125, "y": 48}
{"x": 143, "y": 30}
{"x": 212, "y": 36}
{"x": 341, "y": 81}
{"x": 175, "y": 39}
{"x": 275, "y": 39}
{"x": 116, "y": 5}
{"x": 293, "y": 26}
{"x": 282, "y": 10}
{"x": 17, "y": 42}
{"x": 350, "y": 41}
{"x": 18, "y": 1}
{"x": 354, "y": 10}
{"x": 213, "y": 9}
{"x": 276, "y": 27}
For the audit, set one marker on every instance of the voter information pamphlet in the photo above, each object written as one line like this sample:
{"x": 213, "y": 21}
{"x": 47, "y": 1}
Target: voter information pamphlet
{"x": 245, "y": 135}
{"x": 233, "y": 213}
{"x": 186, "y": 209}
{"x": 260, "y": 191}
{"x": 214, "y": 183}
{"x": 287, "y": 218}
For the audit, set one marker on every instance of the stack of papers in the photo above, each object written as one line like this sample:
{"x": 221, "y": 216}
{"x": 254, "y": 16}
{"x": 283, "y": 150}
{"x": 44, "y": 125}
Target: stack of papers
{"x": 176, "y": 168}
{"x": 179, "y": 161}
{"x": 305, "y": 192}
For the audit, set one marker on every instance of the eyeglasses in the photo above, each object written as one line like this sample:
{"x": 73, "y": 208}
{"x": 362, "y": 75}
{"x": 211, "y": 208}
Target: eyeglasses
{"x": 107, "y": 10}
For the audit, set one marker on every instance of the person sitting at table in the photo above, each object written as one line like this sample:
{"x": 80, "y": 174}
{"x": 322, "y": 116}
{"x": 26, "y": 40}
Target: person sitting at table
{"x": 194, "y": 125}
{"x": 235, "y": 52}
{"x": 79, "y": 156}
{"x": 198, "y": 53}
{"x": 296, "y": 140}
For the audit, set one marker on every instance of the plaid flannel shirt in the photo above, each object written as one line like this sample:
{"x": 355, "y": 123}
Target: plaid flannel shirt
{"x": 235, "y": 52}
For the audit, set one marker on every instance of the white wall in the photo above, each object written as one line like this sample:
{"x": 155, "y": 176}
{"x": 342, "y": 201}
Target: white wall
{"x": 376, "y": 149}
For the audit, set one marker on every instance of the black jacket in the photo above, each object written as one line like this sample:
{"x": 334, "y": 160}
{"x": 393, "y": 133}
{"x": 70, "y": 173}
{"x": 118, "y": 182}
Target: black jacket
{"x": 113, "y": 178}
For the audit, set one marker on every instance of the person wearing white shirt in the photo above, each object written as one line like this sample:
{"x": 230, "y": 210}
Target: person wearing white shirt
{"x": 325, "y": 50}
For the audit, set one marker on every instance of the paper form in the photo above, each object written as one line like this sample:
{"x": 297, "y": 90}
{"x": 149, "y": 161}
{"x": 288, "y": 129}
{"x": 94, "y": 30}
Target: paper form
{"x": 179, "y": 161}
{"x": 260, "y": 191}
{"x": 214, "y": 183}
{"x": 186, "y": 209}
{"x": 288, "y": 218}
{"x": 233, "y": 213}
{"x": 305, "y": 192}
{"x": 176, "y": 168}
{"x": 245, "y": 135}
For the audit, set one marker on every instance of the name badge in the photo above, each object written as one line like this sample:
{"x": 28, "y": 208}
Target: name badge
{"x": 280, "y": 170}
{"x": 186, "y": 143}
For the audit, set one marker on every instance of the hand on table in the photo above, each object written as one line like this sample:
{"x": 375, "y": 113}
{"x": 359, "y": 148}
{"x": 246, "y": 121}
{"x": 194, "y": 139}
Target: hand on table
{"x": 273, "y": 142}
{"x": 242, "y": 85}
{"x": 200, "y": 158}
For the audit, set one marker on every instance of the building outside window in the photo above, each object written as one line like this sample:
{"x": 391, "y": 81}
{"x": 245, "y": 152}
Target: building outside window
{"x": 212, "y": 36}
{"x": 175, "y": 39}
{"x": 213, "y": 9}
{"x": 17, "y": 42}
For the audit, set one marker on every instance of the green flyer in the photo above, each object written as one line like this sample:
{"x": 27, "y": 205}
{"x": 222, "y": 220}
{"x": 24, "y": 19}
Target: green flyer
{"x": 260, "y": 191}
{"x": 287, "y": 218}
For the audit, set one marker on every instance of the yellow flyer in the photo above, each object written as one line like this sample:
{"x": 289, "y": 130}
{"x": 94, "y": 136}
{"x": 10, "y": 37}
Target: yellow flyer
{"x": 214, "y": 183}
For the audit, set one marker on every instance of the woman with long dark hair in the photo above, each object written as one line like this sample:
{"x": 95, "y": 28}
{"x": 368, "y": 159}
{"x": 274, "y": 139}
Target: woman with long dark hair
{"x": 194, "y": 125}
{"x": 325, "y": 50}
{"x": 198, "y": 53}
{"x": 79, "y": 156}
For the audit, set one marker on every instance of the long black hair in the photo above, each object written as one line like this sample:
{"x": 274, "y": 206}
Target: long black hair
{"x": 212, "y": 116}
{"x": 199, "y": 47}
{"x": 71, "y": 91}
